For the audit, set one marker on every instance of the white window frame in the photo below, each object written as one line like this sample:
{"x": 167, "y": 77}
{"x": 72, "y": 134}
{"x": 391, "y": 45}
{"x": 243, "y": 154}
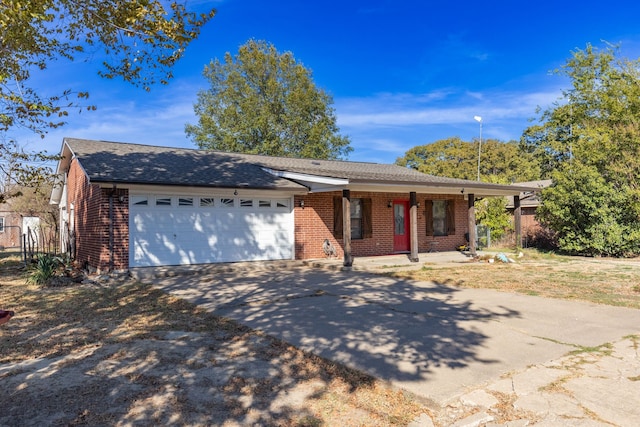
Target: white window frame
{"x": 356, "y": 218}
{"x": 162, "y": 199}
{"x": 207, "y": 202}
{"x": 282, "y": 203}
{"x": 227, "y": 202}
{"x": 440, "y": 207}
{"x": 186, "y": 201}
{"x": 139, "y": 200}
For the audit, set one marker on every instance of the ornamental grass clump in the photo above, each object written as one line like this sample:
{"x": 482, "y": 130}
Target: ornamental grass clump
{"x": 45, "y": 268}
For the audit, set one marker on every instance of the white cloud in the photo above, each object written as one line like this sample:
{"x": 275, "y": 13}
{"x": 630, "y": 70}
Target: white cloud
{"x": 154, "y": 120}
{"x": 403, "y": 110}
{"x": 383, "y": 127}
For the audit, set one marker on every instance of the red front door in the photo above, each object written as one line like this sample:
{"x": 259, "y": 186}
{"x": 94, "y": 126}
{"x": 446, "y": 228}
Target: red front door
{"x": 401, "y": 226}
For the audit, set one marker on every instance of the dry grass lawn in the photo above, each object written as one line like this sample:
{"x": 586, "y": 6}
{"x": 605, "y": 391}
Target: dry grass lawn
{"x": 244, "y": 376}
{"x": 139, "y": 356}
{"x": 599, "y": 280}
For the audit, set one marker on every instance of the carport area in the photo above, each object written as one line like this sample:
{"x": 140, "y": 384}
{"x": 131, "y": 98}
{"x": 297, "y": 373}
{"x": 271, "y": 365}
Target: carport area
{"x": 433, "y": 340}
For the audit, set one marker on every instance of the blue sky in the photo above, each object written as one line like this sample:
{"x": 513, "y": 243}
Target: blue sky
{"x": 401, "y": 73}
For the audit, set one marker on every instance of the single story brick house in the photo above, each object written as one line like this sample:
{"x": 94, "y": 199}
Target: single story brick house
{"x": 129, "y": 205}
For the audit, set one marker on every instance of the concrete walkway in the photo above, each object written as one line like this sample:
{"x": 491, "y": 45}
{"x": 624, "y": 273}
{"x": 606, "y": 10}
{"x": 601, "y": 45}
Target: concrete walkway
{"x": 461, "y": 350}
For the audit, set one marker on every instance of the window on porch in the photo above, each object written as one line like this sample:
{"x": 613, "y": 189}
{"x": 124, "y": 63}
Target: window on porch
{"x": 361, "y": 227}
{"x": 440, "y": 217}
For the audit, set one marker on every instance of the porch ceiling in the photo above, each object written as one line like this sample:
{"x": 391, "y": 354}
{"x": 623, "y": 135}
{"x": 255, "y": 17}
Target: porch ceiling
{"x": 404, "y": 182}
{"x": 477, "y": 189}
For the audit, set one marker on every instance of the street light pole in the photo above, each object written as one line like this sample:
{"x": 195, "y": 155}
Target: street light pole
{"x": 479, "y": 120}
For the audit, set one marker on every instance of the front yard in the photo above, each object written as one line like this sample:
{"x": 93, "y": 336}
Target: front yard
{"x": 121, "y": 352}
{"x": 599, "y": 280}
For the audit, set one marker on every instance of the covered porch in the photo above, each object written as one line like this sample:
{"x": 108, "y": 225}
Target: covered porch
{"x": 469, "y": 191}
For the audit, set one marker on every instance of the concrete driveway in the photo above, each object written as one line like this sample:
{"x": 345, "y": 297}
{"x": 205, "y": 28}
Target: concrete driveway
{"x": 435, "y": 341}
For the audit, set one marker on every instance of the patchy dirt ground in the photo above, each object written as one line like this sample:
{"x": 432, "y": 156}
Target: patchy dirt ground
{"x": 122, "y": 353}
{"x": 115, "y": 352}
{"x": 607, "y": 281}
{"x": 181, "y": 378}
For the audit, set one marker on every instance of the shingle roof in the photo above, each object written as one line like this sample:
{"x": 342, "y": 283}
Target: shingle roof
{"x": 353, "y": 171}
{"x": 530, "y": 199}
{"x": 144, "y": 164}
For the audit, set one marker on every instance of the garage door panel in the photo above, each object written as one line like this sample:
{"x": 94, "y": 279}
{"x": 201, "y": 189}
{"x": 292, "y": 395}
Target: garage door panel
{"x": 177, "y": 235}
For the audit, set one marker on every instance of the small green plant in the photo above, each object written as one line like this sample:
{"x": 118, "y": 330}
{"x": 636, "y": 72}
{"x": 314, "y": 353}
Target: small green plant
{"x": 45, "y": 268}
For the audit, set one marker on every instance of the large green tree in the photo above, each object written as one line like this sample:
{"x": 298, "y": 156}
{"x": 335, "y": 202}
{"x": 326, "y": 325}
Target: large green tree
{"x": 262, "y": 101}
{"x": 590, "y": 141}
{"x": 136, "y": 40}
{"x": 140, "y": 40}
{"x": 500, "y": 162}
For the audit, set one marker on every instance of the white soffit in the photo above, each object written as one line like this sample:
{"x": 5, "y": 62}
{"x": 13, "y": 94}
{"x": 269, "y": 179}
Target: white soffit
{"x": 315, "y": 183}
{"x": 319, "y": 184}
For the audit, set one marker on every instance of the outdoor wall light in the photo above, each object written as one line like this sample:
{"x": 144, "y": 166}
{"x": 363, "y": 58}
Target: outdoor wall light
{"x": 389, "y": 204}
{"x": 235, "y": 192}
{"x": 121, "y": 198}
{"x": 302, "y": 204}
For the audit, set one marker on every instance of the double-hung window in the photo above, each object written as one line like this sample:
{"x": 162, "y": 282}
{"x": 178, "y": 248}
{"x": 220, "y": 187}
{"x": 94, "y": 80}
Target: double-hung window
{"x": 440, "y": 217}
{"x": 356, "y": 219}
{"x": 360, "y": 215}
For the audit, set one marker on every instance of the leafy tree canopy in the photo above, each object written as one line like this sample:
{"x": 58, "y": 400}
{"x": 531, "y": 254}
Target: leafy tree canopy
{"x": 589, "y": 214}
{"x": 500, "y": 162}
{"x": 590, "y": 141}
{"x": 140, "y": 42}
{"x": 262, "y": 101}
{"x": 19, "y": 170}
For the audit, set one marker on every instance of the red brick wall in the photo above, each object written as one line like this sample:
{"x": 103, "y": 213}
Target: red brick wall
{"x": 93, "y": 224}
{"x": 11, "y": 236}
{"x": 314, "y": 224}
{"x": 528, "y": 219}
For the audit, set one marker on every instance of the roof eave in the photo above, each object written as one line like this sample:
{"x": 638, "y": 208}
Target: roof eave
{"x": 298, "y": 189}
{"x": 470, "y": 187}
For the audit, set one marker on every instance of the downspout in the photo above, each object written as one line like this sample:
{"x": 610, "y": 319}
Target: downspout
{"x": 111, "y": 226}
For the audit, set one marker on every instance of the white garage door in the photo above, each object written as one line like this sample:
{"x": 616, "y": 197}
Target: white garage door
{"x": 182, "y": 230}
